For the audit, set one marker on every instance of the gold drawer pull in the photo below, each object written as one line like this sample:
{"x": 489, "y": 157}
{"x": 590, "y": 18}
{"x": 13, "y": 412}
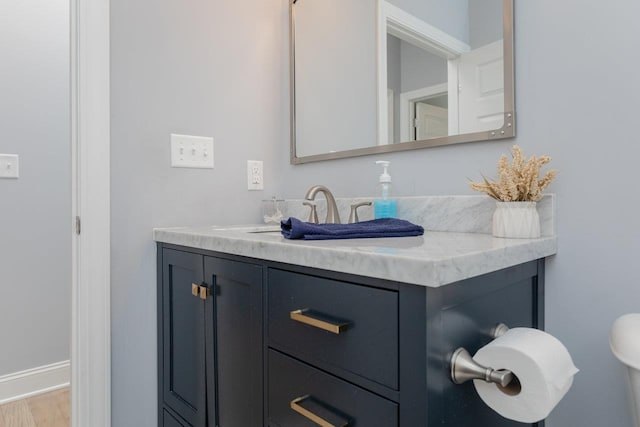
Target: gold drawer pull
{"x": 303, "y": 316}
{"x": 296, "y": 405}
{"x": 195, "y": 290}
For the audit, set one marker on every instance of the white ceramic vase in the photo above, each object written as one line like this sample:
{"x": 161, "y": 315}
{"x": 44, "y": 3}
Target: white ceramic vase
{"x": 516, "y": 220}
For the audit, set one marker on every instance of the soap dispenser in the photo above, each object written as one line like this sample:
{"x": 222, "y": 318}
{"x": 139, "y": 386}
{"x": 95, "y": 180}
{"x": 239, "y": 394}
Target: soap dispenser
{"x": 385, "y": 206}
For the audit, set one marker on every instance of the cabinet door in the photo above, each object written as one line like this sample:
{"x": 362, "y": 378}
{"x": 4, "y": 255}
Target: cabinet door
{"x": 234, "y": 357}
{"x": 182, "y": 337}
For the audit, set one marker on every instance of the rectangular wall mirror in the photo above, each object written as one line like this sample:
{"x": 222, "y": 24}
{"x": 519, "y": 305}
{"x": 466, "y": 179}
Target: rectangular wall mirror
{"x": 377, "y": 76}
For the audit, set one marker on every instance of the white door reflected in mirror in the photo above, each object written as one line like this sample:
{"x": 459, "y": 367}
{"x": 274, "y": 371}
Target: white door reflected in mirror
{"x": 431, "y": 121}
{"x": 481, "y": 88}
{"x": 463, "y": 66}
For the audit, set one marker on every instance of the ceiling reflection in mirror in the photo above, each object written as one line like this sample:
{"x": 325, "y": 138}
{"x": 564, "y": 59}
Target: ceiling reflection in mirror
{"x": 373, "y": 76}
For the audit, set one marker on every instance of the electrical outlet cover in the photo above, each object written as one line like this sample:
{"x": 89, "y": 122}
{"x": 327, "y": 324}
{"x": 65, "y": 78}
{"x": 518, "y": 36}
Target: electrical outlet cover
{"x": 9, "y": 166}
{"x": 255, "y": 178}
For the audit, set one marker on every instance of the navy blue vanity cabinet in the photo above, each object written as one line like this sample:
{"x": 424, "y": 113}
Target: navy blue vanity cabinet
{"x": 233, "y": 317}
{"x": 169, "y": 420}
{"x": 209, "y": 341}
{"x": 373, "y": 353}
{"x": 181, "y": 339}
{"x": 280, "y": 345}
{"x": 465, "y": 314}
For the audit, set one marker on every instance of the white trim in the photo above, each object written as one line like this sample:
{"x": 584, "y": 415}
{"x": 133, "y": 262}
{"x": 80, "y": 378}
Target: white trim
{"x": 395, "y": 21}
{"x": 453, "y": 81}
{"x": 90, "y": 337}
{"x": 383, "y": 126}
{"x": 391, "y": 123}
{"x": 407, "y": 101}
{"x": 31, "y": 382}
{"x": 413, "y": 30}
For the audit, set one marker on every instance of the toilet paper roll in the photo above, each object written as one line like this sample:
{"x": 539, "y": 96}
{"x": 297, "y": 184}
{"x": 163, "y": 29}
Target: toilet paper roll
{"x": 543, "y": 368}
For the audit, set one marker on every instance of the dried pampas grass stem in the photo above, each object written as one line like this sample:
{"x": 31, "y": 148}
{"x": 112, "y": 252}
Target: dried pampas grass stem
{"x": 519, "y": 181}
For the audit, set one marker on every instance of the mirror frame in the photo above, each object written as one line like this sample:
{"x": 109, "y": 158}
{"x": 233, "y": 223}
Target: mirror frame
{"x": 508, "y": 130}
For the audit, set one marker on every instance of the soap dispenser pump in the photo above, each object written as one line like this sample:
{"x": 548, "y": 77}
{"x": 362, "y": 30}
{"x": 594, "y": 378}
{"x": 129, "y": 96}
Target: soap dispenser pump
{"x": 385, "y": 206}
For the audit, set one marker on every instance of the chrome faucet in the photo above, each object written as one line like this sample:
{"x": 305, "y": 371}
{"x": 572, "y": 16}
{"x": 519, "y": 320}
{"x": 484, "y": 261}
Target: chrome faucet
{"x": 333, "y": 217}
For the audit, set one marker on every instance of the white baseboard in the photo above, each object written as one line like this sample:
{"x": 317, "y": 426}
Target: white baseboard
{"x": 31, "y": 382}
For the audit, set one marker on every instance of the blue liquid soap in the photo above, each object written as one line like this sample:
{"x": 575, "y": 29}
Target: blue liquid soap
{"x": 385, "y": 208}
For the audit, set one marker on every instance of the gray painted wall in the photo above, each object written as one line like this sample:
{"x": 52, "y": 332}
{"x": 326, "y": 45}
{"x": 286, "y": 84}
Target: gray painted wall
{"x": 210, "y": 67}
{"x": 35, "y": 223}
{"x": 410, "y": 68}
{"x": 420, "y": 68}
{"x": 589, "y": 283}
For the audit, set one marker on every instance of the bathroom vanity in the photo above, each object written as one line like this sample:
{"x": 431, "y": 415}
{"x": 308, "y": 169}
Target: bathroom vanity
{"x": 255, "y": 330}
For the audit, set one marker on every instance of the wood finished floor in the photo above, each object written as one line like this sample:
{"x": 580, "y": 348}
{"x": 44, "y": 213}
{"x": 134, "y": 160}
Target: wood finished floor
{"x": 45, "y": 410}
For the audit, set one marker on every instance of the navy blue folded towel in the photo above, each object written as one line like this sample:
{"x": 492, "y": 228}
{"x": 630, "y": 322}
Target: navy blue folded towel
{"x": 293, "y": 228}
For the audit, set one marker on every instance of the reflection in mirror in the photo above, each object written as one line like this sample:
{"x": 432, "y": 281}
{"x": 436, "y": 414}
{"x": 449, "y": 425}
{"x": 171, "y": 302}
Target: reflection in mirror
{"x": 335, "y": 75}
{"x": 418, "y": 80}
{"x": 373, "y": 76}
{"x": 431, "y": 58}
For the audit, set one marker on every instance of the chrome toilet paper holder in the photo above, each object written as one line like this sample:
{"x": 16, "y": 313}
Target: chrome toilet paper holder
{"x": 464, "y": 368}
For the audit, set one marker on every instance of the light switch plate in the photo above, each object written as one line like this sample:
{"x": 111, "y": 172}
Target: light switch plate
{"x": 255, "y": 177}
{"x": 9, "y": 166}
{"x": 191, "y": 152}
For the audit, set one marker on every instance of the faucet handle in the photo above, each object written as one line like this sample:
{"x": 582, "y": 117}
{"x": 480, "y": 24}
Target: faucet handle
{"x": 313, "y": 215}
{"x": 353, "y": 216}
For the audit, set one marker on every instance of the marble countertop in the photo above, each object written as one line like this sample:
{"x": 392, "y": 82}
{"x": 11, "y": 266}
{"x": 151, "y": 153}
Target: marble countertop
{"x": 435, "y": 259}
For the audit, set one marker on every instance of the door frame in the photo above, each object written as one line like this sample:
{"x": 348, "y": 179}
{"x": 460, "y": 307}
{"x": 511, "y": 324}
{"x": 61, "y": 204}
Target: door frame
{"x": 395, "y": 21}
{"x": 407, "y": 103}
{"x": 90, "y": 163}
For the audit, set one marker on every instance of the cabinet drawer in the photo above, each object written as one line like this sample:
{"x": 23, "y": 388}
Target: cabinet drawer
{"x": 298, "y": 393}
{"x": 366, "y": 345}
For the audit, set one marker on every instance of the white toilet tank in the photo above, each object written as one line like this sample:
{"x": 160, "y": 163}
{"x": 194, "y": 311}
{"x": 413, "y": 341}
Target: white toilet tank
{"x": 625, "y": 344}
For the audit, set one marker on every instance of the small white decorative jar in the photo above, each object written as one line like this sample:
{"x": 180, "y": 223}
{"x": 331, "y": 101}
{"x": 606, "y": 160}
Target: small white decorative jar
{"x": 516, "y": 220}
